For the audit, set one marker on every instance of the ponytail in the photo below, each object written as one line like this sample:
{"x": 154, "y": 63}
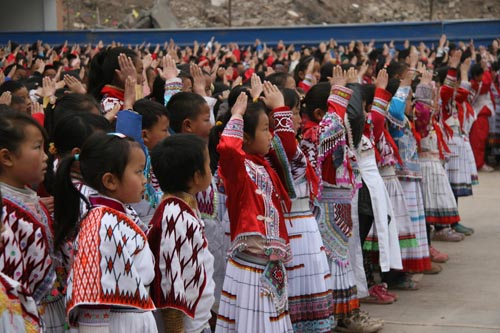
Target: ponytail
{"x": 214, "y": 138}
{"x": 66, "y": 202}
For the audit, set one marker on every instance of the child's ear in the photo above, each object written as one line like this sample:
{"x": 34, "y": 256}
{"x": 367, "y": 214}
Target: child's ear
{"x": 302, "y": 75}
{"x": 246, "y": 138}
{"x": 186, "y": 126}
{"x": 318, "y": 114}
{"x": 6, "y": 158}
{"x": 109, "y": 181}
{"x": 75, "y": 151}
{"x": 145, "y": 136}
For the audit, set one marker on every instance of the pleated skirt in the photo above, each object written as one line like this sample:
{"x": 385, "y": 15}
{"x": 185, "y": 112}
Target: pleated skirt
{"x": 458, "y": 167}
{"x": 243, "y": 307}
{"x": 53, "y": 314}
{"x": 310, "y": 298}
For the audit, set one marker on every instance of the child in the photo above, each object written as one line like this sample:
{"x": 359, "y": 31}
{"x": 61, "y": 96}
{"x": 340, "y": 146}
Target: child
{"x": 309, "y": 278}
{"x": 189, "y": 113}
{"x": 18, "y": 312}
{"x": 112, "y": 262}
{"x": 183, "y": 288}
{"x": 23, "y": 163}
{"x": 254, "y": 296}
{"x": 108, "y": 72}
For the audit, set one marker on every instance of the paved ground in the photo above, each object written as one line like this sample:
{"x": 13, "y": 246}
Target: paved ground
{"x": 465, "y": 296}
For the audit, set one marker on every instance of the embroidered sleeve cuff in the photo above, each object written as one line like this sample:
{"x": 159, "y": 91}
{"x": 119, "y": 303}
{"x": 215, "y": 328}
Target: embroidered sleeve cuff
{"x": 402, "y": 92}
{"x": 94, "y": 317}
{"x": 340, "y": 95}
{"x": 283, "y": 120}
{"x": 234, "y": 128}
{"x": 381, "y": 101}
{"x": 451, "y": 77}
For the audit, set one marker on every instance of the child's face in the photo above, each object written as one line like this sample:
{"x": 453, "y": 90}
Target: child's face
{"x": 201, "y": 125}
{"x": 23, "y": 93}
{"x": 155, "y": 134}
{"x": 261, "y": 143}
{"x": 132, "y": 185}
{"x": 28, "y": 165}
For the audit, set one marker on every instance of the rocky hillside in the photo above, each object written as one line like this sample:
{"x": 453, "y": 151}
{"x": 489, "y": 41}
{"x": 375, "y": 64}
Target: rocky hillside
{"x": 85, "y": 14}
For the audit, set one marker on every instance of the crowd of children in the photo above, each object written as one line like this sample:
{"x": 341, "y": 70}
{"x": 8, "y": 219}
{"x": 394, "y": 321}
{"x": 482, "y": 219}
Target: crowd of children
{"x": 233, "y": 189}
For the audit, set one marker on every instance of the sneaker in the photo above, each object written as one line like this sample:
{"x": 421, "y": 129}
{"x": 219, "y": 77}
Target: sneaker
{"x": 447, "y": 235}
{"x": 378, "y": 295}
{"x": 359, "y": 323}
{"x": 486, "y": 168}
{"x": 460, "y": 228}
{"x": 435, "y": 269}
{"x": 436, "y": 256}
{"x": 405, "y": 283}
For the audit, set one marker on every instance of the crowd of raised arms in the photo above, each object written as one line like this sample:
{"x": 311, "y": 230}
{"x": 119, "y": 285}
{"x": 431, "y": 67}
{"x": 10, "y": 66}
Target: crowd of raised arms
{"x": 228, "y": 188}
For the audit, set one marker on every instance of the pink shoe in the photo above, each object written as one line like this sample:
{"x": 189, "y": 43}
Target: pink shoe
{"x": 436, "y": 256}
{"x": 378, "y": 295}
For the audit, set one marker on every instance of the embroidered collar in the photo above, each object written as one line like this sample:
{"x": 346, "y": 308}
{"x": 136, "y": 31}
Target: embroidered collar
{"x": 98, "y": 200}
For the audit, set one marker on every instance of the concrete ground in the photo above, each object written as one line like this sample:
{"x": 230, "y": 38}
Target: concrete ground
{"x": 465, "y": 296}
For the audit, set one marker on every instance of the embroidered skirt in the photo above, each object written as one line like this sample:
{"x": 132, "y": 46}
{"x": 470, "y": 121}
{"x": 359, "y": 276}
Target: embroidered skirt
{"x": 310, "y": 299}
{"x": 243, "y": 307}
{"x": 217, "y": 246}
{"x": 458, "y": 167}
{"x": 335, "y": 226}
{"x": 416, "y": 259}
{"x": 472, "y": 162}
{"x": 439, "y": 203}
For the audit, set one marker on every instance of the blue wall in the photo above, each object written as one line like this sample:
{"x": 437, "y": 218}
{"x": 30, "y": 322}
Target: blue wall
{"x": 482, "y": 31}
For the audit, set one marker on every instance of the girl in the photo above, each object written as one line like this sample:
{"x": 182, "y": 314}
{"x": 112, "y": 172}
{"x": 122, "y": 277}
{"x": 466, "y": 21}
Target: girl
{"x": 329, "y": 143}
{"x": 183, "y": 287}
{"x": 309, "y": 278}
{"x": 108, "y": 72}
{"x": 112, "y": 265}
{"x": 18, "y": 311}
{"x": 27, "y": 251}
{"x": 254, "y": 296}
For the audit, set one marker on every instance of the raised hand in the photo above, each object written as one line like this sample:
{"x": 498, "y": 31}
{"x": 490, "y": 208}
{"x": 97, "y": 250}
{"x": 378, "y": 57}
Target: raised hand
{"x": 111, "y": 115}
{"x": 455, "y": 59}
{"x": 237, "y": 82}
{"x": 74, "y": 85}
{"x": 6, "y": 98}
{"x": 352, "y": 75}
{"x": 48, "y": 87}
{"x": 273, "y": 98}
{"x": 382, "y": 79}
{"x": 129, "y": 93}
{"x": 338, "y": 77}
{"x": 199, "y": 81}
{"x": 426, "y": 77}
{"x": 240, "y": 107}
{"x": 36, "y": 108}
{"x": 256, "y": 86}
{"x": 169, "y": 70}
{"x": 127, "y": 68}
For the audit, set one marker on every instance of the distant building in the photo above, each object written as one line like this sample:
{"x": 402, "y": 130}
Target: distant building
{"x": 30, "y": 15}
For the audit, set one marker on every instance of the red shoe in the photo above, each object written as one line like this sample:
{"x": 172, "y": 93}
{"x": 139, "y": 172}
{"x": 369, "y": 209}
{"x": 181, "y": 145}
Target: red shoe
{"x": 378, "y": 295}
{"x": 436, "y": 256}
{"x": 387, "y": 292}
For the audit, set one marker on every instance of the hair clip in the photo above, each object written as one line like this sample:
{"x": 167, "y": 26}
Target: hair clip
{"x": 52, "y": 148}
{"x": 76, "y": 157}
{"x": 120, "y": 135}
{"x": 218, "y": 123}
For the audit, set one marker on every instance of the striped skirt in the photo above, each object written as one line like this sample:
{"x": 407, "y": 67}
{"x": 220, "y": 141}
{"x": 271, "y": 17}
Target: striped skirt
{"x": 335, "y": 227}
{"x": 472, "y": 163}
{"x": 439, "y": 203}
{"x": 458, "y": 167}
{"x": 243, "y": 307}
{"x": 416, "y": 259}
{"x": 310, "y": 299}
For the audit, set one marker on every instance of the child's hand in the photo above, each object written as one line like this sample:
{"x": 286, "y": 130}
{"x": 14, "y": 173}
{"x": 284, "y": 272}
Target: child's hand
{"x": 273, "y": 96}
{"x": 6, "y": 98}
{"x": 74, "y": 85}
{"x": 464, "y": 69}
{"x": 36, "y": 108}
{"x": 310, "y": 67}
{"x": 199, "y": 82}
{"x": 362, "y": 69}
{"x": 129, "y": 94}
{"x": 240, "y": 107}
{"x": 256, "y": 86}
{"x": 237, "y": 82}
{"x": 426, "y": 77}
{"x": 169, "y": 70}
{"x": 338, "y": 77}
{"x": 48, "y": 87}
{"x": 111, "y": 115}
{"x": 127, "y": 68}
{"x": 382, "y": 79}
{"x": 352, "y": 75}
{"x": 455, "y": 59}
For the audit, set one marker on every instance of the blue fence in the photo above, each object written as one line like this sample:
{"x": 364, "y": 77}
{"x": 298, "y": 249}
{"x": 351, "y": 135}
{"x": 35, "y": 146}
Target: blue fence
{"x": 482, "y": 31}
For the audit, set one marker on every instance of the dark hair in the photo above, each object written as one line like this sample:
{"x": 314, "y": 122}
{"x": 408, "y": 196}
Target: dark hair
{"x": 184, "y": 105}
{"x": 11, "y": 86}
{"x": 326, "y": 71}
{"x": 158, "y": 92}
{"x": 476, "y": 70}
{"x": 150, "y": 111}
{"x": 100, "y": 154}
{"x": 393, "y": 86}
{"x": 176, "y": 159}
{"x": 250, "y": 122}
{"x": 292, "y": 99}
{"x": 396, "y": 68}
{"x": 278, "y": 79}
{"x": 301, "y": 67}
{"x": 67, "y": 105}
{"x": 316, "y": 98}
{"x": 441, "y": 73}
{"x": 235, "y": 92}
{"x": 102, "y": 69}
{"x": 368, "y": 93}
{"x": 12, "y": 128}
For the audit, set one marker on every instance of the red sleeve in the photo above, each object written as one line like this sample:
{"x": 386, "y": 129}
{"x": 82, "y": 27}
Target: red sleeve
{"x": 379, "y": 112}
{"x": 39, "y": 117}
{"x": 338, "y": 100}
{"x": 230, "y": 149}
{"x": 283, "y": 128}
{"x": 446, "y": 91}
